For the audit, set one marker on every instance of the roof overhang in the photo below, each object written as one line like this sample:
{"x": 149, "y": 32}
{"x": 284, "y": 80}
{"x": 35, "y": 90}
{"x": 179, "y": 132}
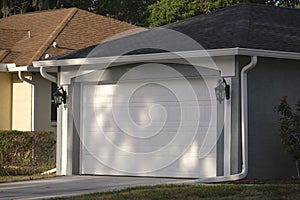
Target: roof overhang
{"x": 11, "y": 67}
{"x": 4, "y": 67}
{"x": 156, "y": 57}
{"x": 23, "y": 69}
{"x": 268, "y": 53}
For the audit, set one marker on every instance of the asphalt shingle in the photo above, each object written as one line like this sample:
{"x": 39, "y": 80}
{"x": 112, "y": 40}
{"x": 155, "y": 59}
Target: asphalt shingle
{"x": 243, "y": 25}
{"x": 72, "y": 28}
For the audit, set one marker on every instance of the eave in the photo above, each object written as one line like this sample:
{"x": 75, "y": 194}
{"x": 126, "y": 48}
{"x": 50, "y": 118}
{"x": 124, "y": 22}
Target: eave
{"x": 156, "y": 57}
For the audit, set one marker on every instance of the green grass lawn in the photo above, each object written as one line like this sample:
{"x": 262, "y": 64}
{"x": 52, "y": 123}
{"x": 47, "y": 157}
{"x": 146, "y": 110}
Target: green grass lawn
{"x": 6, "y": 179}
{"x": 190, "y": 192}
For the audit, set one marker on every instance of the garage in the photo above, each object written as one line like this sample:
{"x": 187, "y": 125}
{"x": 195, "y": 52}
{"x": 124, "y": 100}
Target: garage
{"x": 137, "y": 133}
{"x": 156, "y": 123}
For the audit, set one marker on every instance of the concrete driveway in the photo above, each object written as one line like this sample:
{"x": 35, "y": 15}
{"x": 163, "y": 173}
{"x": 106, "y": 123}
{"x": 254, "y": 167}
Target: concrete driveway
{"x": 74, "y": 185}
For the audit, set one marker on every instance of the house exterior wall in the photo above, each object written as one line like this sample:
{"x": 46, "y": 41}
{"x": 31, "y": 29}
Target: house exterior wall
{"x": 43, "y": 104}
{"x": 5, "y": 101}
{"x": 21, "y": 104}
{"x": 17, "y": 107}
{"x": 236, "y": 147}
{"x": 268, "y": 82}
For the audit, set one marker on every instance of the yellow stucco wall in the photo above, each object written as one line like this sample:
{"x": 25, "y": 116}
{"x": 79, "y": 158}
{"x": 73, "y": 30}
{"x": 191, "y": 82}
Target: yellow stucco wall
{"x": 21, "y": 104}
{"x": 5, "y": 100}
{"x": 16, "y": 103}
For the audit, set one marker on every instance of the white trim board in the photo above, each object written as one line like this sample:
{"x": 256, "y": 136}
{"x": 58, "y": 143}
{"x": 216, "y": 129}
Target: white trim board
{"x": 169, "y": 55}
{"x": 227, "y": 131}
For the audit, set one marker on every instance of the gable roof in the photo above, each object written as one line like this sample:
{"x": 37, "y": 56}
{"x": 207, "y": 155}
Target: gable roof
{"x": 244, "y": 25}
{"x": 72, "y": 28}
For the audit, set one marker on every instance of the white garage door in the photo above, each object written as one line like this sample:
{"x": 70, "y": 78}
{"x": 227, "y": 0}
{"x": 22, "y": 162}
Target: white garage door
{"x": 161, "y": 128}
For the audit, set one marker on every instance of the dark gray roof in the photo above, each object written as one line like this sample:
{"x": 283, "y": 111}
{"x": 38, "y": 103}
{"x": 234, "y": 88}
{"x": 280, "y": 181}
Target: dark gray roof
{"x": 243, "y": 25}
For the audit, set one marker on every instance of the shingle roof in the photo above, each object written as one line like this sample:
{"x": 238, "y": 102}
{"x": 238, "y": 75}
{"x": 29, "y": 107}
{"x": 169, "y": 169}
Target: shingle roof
{"x": 72, "y": 28}
{"x": 243, "y": 25}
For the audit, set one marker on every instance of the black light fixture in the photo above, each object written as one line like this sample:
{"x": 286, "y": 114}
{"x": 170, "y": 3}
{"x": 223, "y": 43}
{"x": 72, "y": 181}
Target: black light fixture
{"x": 222, "y": 91}
{"x": 60, "y": 96}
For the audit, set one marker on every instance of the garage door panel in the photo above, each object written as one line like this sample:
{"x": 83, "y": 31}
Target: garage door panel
{"x": 187, "y": 167}
{"x": 173, "y": 151}
{"x": 127, "y": 143}
{"x": 169, "y": 127}
{"x": 143, "y": 118}
{"x": 160, "y": 141}
{"x": 105, "y": 118}
{"x": 104, "y": 94}
{"x": 142, "y": 151}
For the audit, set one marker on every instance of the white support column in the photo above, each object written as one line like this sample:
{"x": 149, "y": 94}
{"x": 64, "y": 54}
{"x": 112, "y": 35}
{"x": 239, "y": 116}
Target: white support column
{"x": 64, "y": 137}
{"x": 227, "y": 131}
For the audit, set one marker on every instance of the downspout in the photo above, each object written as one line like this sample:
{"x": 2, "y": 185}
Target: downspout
{"x": 33, "y": 106}
{"x": 53, "y": 79}
{"x": 47, "y": 76}
{"x": 244, "y": 114}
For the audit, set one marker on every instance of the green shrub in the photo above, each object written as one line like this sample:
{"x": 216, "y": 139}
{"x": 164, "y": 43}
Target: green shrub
{"x": 26, "y": 153}
{"x": 290, "y": 130}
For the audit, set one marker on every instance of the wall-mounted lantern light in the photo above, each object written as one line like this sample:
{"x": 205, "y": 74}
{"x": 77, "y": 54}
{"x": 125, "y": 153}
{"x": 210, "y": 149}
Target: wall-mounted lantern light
{"x": 60, "y": 96}
{"x": 222, "y": 91}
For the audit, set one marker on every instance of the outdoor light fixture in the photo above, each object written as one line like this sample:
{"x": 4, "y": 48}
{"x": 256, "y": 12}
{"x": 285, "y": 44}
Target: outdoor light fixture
{"x": 60, "y": 96}
{"x": 222, "y": 91}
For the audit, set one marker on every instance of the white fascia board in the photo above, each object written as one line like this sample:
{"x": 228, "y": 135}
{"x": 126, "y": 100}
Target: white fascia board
{"x": 19, "y": 68}
{"x": 168, "y": 56}
{"x": 268, "y": 53}
{"x": 136, "y": 58}
{"x": 14, "y": 68}
{"x": 4, "y": 67}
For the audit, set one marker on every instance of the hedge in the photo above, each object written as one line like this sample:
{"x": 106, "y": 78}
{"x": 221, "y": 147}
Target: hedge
{"x": 26, "y": 153}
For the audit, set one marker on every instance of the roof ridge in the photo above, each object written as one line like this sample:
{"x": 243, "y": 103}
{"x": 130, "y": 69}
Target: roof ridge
{"x": 41, "y": 11}
{"x": 3, "y": 54}
{"x": 229, "y": 8}
{"x": 53, "y": 35}
{"x": 270, "y": 6}
{"x": 203, "y": 15}
{"x": 107, "y": 18}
